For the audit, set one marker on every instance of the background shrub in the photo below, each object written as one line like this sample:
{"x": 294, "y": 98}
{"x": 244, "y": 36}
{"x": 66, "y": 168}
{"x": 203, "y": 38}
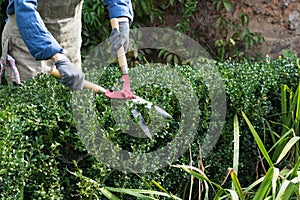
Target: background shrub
{"x": 254, "y": 88}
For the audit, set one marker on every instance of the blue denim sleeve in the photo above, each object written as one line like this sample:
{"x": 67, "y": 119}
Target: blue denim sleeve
{"x": 40, "y": 42}
{"x": 119, "y": 8}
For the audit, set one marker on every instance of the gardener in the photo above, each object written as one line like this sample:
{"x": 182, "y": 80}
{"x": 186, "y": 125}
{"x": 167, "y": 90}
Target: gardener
{"x": 40, "y": 34}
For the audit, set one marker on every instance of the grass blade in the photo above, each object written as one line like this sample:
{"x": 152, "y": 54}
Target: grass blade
{"x": 108, "y": 194}
{"x": 283, "y": 103}
{"x": 274, "y": 181}
{"x": 133, "y": 192}
{"x": 197, "y": 173}
{"x": 287, "y": 148}
{"x": 296, "y": 125}
{"x": 236, "y": 148}
{"x": 163, "y": 189}
{"x": 296, "y": 180}
{"x": 265, "y": 186}
{"x": 290, "y": 191}
{"x": 237, "y": 185}
{"x": 294, "y": 102}
{"x": 253, "y": 185}
{"x": 281, "y": 140}
{"x": 233, "y": 194}
{"x": 283, "y": 188}
{"x": 258, "y": 141}
{"x": 218, "y": 195}
{"x": 296, "y": 168}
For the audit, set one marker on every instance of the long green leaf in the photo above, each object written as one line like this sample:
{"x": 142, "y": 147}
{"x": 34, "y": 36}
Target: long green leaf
{"x": 236, "y": 148}
{"x": 273, "y": 134}
{"x": 253, "y": 185}
{"x": 237, "y": 184}
{"x": 140, "y": 191}
{"x": 297, "y": 120}
{"x": 287, "y": 148}
{"x": 283, "y": 188}
{"x": 108, "y": 194}
{"x": 281, "y": 140}
{"x": 274, "y": 181}
{"x": 279, "y": 145}
{"x": 292, "y": 108}
{"x": 190, "y": 170}
{"x": 268, "y": 198}
{"x": 293, "y": 189}
{"x": 283, "y": 103}
{"x": 131, "y": 192}
{"x": 218, "y": 195}
{"x": 290, "y": 191}
{"x": 296, "y": 180}
{"x": 265, "y": 186}
{"x": 296, "y": 168}
{"x": 298, "y": 103}
{"x": 233, "y": 194}
{"x": 163, "y": 189}
{"x": 258, "y": 141}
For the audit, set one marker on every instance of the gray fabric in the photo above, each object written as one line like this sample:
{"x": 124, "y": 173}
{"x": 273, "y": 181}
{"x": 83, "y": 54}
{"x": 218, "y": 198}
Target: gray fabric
{"x": 71, "y": 76}
{"x": 13, "y": 45}
{"x": 62, "y": 19}
{"x": 119, "y": 38}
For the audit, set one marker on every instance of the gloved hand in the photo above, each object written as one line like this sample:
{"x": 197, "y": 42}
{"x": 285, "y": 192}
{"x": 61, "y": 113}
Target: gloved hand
{"x": 71, "y": 76}
{"x": 120, "y": 38}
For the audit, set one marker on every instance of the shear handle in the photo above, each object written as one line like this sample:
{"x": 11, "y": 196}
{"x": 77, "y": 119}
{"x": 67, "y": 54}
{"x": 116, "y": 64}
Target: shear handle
{"x": 86, "y": 84}
{"x": 121, "y": 54}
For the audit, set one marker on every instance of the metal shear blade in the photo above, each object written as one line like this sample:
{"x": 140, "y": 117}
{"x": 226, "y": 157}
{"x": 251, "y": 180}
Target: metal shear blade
{"x": 149, "y": 105}
{"x": 137, "y": 115}
{"x": 141, "y": 122}
{"x": 127, "y": 95}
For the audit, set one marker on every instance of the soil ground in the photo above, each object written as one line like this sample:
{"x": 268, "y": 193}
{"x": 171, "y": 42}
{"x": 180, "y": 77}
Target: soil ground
{"x": 277, "y": 20}
{"x": 279, "y": 23}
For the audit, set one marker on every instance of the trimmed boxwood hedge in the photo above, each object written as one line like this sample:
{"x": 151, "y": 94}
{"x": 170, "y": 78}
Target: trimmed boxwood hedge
{"x": 254, "y": 88}
{"x": 40, "y": 149}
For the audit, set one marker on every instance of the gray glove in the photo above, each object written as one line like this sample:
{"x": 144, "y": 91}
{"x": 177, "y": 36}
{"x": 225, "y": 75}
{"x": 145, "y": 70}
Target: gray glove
{"x": 119, "y": 38}
{"x": 71, "y": 76}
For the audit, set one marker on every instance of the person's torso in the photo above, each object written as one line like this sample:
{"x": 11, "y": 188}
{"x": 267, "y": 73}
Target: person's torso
{"x": 53, "y": 9}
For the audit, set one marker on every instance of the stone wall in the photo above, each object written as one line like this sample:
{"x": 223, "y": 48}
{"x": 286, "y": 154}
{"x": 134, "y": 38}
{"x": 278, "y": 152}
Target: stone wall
{"x": 279, "y": 23}
{"x": 277, "y": 20}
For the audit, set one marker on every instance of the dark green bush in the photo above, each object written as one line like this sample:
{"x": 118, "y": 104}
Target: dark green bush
{"x": 36, "y": 125}
{"x": 254, "y": 88}
{"x": 40, "y": 146}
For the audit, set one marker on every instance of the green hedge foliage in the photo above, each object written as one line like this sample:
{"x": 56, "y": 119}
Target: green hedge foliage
{"x": 254, "y": 88}
{"x": 41, "y": 152}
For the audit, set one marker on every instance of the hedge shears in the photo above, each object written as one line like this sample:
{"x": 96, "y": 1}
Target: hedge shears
{"x": 126, "y": 93}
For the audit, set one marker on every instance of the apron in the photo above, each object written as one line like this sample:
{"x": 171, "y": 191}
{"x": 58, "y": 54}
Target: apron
{"x": 62, "y": 19}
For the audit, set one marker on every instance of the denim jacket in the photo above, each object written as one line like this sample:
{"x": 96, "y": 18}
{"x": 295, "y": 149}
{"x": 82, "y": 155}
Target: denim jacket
{"x": 40, "y": 42}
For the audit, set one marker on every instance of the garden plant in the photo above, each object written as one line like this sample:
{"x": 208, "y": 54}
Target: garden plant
{"x": 43, "y": 156}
